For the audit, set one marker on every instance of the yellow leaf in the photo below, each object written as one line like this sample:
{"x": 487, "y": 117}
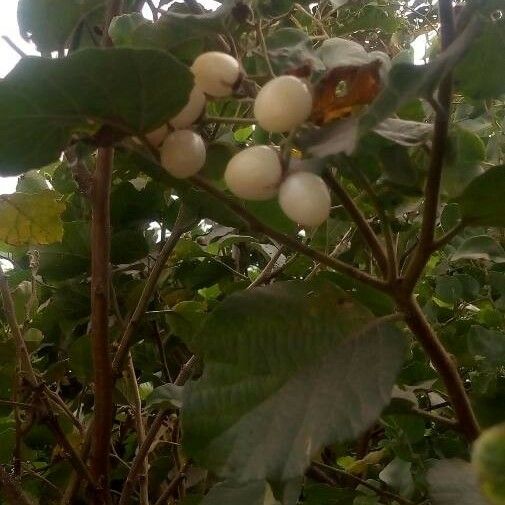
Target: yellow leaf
{"x": 31, "y": 219}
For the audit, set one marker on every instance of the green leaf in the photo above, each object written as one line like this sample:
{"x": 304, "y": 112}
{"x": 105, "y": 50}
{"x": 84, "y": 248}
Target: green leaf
{"x": 288, "y": 369}
{"x": 289, "y": 48}
{"x": 166, "y": 396}
{"x": 127, "y": 246}
{"x": 226, "y": 493}
{"x": 487, "y": 345}
{"x": 481, "y": 73}
{"x": 51, "y": 24}
{"x": 481, "y": 247}
{"x": 43, "y": 101}
{"x": 407, "y": 81}
{"x": 171, "y": 30}
{"x": 31, "y": 219}
{"x": 454, "y": 482}
{"x": 465, "y": 154}
{"x": 482, "y": 202}
{"x": 68, "y": 258}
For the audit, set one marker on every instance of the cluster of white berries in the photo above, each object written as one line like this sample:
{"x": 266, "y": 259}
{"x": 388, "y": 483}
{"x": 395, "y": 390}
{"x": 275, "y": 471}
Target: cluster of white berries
{"x": 256, "y": 173}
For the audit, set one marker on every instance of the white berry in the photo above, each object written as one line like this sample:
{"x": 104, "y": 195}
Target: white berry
{"x": 183, "y": 153}
{"x": 283, "y": 104}
{"x": 156, "y": 137}
{"x": 216, "y": 73}
{"x": 254, "y": 174}
{"x": 191, "y": 111}
{"x": 305, "y": 199}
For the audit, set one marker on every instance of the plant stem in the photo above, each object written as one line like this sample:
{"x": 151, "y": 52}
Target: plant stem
{"x": 145, "y": 448}
{"x": 265, "y": 273}
{"x": 290, "y": 242}
{"x": 357, "y": 216}
{"x": 141, "y": 432}
{"x": 11, "y": 489}
{"x": 100, "y": 349}
{"x": 364, "y": 483}
{"x": 179, "y": 228}
{"x": 443, "y": 362}
{"x": 438, "y": 153}
{"x": 230, "y": 120}
{"x": 172, "y": 486}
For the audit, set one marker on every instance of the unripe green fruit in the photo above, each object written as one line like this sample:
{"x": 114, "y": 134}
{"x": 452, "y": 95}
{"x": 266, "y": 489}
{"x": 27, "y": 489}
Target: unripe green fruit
{"x": 305, "y": 199}
{"x": 183, "y": 153}
{"x": 283, "y": 104}
{"x": 488, "y": 458}
{"x": 216, "y": 73}
{"x": 254, "y": 173}
{"x": 156, "y": 137}
{"x": 191, "y": 111}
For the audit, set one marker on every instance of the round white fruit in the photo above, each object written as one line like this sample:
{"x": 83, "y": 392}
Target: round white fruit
{"x": 191, "y": 111}
{"x": 183, "y": 153}
{"x": 254, "y": 173}
{"x": 216, "y": 73}
{"x": 283, "y": 104}
{"x": 156, "y": 137}
{"x": 305, "y": 199}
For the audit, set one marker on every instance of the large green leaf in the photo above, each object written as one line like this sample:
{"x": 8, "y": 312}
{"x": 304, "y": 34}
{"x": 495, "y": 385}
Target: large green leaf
{"x": 43, "y": 101}
{"x": 481, "y": 73}
{"x": 480, "y": 247}
{"x": 31, "y": 218}
{"x": 288, "y": 368}
{"x": 255, "y": 493}
{"x": 482, "y": 201}
{"x": 50, "y": 24}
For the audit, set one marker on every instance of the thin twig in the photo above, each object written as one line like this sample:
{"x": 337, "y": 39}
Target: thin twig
{"x": 290, "y": 242}
{"x": 364, "y": 483}
{"x": 229, "y": 120}
{"x": 149, "y": 287}
{"x": 141, "y": 432}
{"x": 14, "y": 46}
{"x": 430, "y": 416}
{"x": 357, "y": 216}
{"x": 172, "y": 486}
{"x": 264, "y": 48}
{"x": 438, "y": 154}
{"x": 265, "y": 273}
{"x": 144, "y": 449}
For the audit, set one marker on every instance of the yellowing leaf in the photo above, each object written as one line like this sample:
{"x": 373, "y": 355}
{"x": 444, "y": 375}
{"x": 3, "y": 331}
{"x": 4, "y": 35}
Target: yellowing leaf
{"x": 31, "y": 219}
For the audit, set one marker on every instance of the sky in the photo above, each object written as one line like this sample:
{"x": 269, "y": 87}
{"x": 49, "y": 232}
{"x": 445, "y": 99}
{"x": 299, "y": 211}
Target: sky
{"x": 9, "y": 57}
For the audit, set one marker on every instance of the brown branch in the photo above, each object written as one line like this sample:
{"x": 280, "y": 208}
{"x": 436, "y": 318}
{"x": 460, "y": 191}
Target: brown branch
{"x": 290, "y": 242}
{"x": 11, "y": 490}
{"x": 141, "y": 432}
{"x": 172, "y": 486}
{"x": 438, "y": 154}
{"x": 364, "y": 228}
{"x": 430, "y": 416}
{"x": 180, "y": 226}
{"x": 13, "y": 46}
{"x": 443, "y": 362}
{"x": 447, "y": 238}
{"x": 379, "y": 491}
{"x": 144, "y": 449}
{"x": 102, "y": 369}
{"x": 74, "y": 482}
{"x": 265, "y": 273}
{"x": 24, "y": 358}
